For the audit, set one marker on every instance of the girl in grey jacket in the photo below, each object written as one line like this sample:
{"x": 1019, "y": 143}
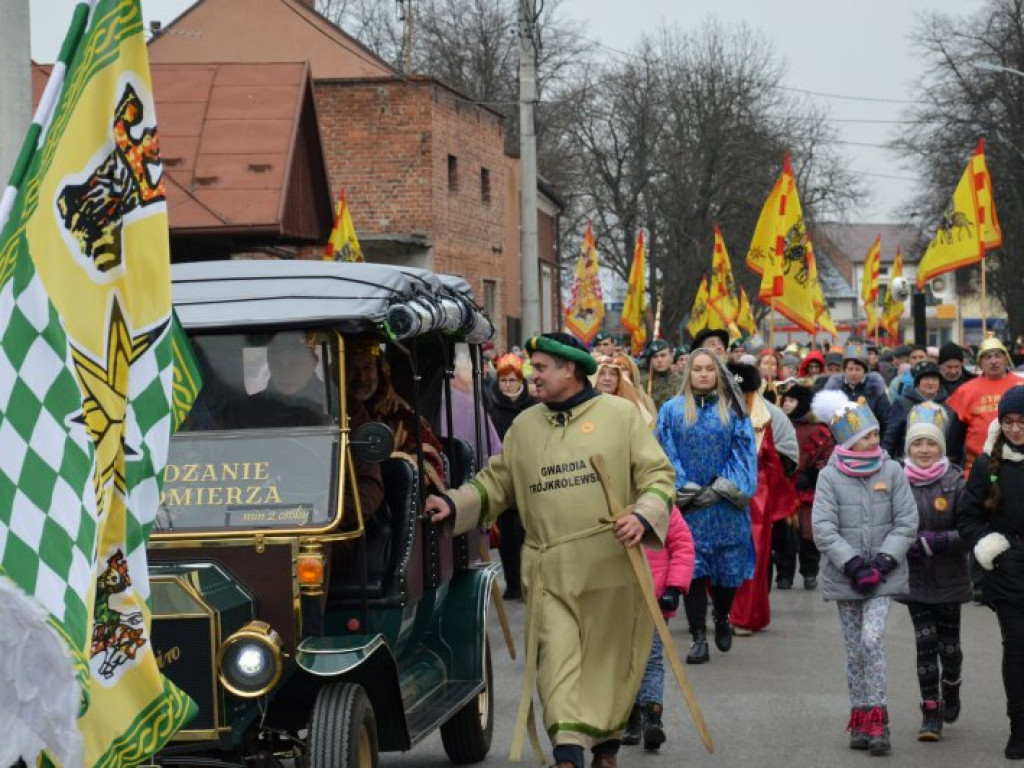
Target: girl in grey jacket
{"x": 864, "y": 519}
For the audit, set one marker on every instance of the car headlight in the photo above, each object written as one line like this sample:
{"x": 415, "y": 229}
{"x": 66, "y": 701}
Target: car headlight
{"x": 250, "y": 661}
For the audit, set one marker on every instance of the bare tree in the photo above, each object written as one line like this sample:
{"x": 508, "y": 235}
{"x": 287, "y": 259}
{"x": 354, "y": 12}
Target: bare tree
{"x": 960, "y": 103}
{"x": 689, "y": 133}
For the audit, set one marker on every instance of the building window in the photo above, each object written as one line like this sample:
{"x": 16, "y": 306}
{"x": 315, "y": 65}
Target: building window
{"x": 491, "y": 298}
{"x": 453, "y": 173}
{"x": 485, "y": 186}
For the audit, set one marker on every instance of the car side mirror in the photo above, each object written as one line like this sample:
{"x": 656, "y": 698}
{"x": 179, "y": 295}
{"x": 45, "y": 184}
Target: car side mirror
{"x": 372, "y": 442}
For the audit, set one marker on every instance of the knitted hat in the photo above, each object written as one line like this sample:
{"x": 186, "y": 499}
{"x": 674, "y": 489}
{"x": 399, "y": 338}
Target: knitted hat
{"x": 902, "y": 351}
{"x": 791, "y": 360}
{"x": 925, "y": 368}
{"x": 927, "y": 420}
{"x": 1012, "y": 402}
{"x": 848, "y": 421}
{"x": 950, "y": 351}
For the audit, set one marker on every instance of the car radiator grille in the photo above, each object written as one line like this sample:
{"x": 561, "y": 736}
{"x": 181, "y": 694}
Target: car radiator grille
{"x": 185, "y": 655}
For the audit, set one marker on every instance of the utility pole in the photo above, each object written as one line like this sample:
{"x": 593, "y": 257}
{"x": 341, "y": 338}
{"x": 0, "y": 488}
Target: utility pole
{"x": 529, "y": 267}
{"x": 15, "y": 83}
{"x": 407, "y": 35}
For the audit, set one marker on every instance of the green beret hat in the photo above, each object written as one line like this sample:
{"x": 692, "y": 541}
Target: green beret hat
{"x": 564, "y": 346}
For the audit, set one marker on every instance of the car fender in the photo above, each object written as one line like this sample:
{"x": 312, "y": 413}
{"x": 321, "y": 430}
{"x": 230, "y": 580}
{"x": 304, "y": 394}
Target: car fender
{"x": 462, "y": 624}
{"x": 368, "y": 661}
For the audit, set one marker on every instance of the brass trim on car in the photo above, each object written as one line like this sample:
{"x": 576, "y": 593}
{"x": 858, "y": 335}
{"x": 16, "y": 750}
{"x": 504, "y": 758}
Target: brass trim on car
{"x": 187, "y": 585}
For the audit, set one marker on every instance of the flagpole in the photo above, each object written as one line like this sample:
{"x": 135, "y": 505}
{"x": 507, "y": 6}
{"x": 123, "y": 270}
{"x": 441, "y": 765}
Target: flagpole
{"x": 878, "y": 320}
{"x": 984, "y": 299}
{"x": 657, "y": 332}
{"x": 771, "y": 323}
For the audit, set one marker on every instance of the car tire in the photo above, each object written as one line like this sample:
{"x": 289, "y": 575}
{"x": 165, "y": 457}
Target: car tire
{"x": 467, "y": 736}
{"x": 342, "y": 729}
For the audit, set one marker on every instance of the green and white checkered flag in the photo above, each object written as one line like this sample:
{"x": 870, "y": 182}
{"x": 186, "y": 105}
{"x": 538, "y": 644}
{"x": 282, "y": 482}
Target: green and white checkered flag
{"x": 88, "y": 369}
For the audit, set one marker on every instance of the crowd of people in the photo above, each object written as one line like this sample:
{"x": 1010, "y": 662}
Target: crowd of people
{"x": 883, "y": 475}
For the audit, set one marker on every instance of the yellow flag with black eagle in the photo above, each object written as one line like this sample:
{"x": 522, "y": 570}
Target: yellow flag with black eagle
{"x": 95, "y": 376}
{"x": 892, "y": 310}
{"x": 869, "y": 283}
{"x": 634, "y": 310}
{"x": 969, "y": 224}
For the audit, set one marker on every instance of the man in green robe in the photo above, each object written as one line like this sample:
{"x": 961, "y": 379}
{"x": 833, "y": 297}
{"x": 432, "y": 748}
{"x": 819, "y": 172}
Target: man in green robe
{"x": 658, "y": 380}
{"x": 588, "y": 632}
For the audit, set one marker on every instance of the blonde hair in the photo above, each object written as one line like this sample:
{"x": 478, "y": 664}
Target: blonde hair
{"x": 721, "y": 388}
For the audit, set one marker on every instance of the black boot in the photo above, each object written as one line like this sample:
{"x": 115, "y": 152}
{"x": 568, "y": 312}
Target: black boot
{"x": 653, "y": 730}
{"x": 699, "y": 649}
{"x": 950, "y": 700}
{"x": 723, "y": 633}
{"x": 878, "y": 731}
{"x": 1015, "y": 746}
{"x": 631, "y": 736}
{"x": 931, "y": 721}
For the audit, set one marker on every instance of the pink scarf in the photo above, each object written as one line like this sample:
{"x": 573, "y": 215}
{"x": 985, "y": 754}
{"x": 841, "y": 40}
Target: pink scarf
{"x": 858, "y": 463}
{"x": 918, "y": 476}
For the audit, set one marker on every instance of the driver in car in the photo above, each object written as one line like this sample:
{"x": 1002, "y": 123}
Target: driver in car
{"x": 294, "y": 395}
{"x": 369, "y": 382}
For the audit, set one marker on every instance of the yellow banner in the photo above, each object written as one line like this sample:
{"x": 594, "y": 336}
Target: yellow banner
{"x": 701, "y": 315}
{"x": 892, "y": 310}
{"x": 821, "y": 314}
{"x": 745, "y": 320}
{"x": 635, "y": 309}
{"x": 779, "y": 252}
{"x": 585, "y": 312}
{"x": 969, "y": 224}
{"x": 343, "y": 245}
{"x": 722, "y": 288}
{"x": 869, "y": 283}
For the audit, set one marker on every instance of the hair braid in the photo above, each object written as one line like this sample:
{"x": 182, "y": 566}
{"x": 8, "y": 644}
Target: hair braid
{"x": 995, "y": 462}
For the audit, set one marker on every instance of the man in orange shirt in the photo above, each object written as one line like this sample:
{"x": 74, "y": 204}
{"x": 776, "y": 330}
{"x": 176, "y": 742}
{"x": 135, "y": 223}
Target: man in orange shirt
{"x": 976, "y": 403}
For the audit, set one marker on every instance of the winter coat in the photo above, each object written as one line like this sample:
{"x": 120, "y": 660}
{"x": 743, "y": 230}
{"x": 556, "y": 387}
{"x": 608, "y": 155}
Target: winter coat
{"x": 672, "y": 565}
{"x": 816, "y": 445}
{"x": 896, "y": 425}
{"x": 863, "y": 516}
{"x": 1006, "y": 581}
{"x": 942, "y": 577}
{"x": 871, "y": 388}
{"x": 502, "y": 410}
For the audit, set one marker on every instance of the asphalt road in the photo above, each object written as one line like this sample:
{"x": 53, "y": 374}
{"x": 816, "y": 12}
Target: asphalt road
{"x": 779, "y": 698}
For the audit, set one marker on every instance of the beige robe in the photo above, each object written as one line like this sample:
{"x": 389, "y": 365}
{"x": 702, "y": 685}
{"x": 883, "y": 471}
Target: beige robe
{"x": 588, "y": 631}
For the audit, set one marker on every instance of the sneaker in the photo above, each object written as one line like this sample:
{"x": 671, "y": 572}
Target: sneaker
{"x": 810, "y": 582}
{"x": 784, "y": 583}
{"x": 931, "y": 722}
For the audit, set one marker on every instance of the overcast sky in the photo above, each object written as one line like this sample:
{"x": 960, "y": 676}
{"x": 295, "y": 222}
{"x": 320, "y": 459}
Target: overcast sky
{"x": 855, "y": 52}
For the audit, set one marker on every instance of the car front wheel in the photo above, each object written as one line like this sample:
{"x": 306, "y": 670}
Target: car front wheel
{"x": 342, "y": 729}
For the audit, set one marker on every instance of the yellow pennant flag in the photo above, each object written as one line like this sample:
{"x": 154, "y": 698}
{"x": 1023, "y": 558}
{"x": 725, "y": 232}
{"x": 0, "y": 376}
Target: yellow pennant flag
{"x": 745, "y": 319}
{"x": 585, "y": 312}
{"x": 722, "y": 288}
{"x": 969, "y": 225}
{"x": 343, "y": 245}
{"x": 869, "y": 283}
{"x": 635, "y": 309}
{"x": 778, "y": 252}
{"x": 892, "y": 310}
{"x": 701, "y": 315}
{"x": 821, "y": 313}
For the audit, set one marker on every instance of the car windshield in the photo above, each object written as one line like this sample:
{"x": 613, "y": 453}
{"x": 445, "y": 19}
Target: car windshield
{"x": 259, "y": 449}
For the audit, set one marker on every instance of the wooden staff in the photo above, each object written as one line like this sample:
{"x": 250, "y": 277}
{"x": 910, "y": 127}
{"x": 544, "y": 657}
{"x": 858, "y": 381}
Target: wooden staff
{"x": 984, "y": 299}
{"x": 640, "y": 570}
{"x": 654, "y": 336}
{"x": 496, "y": 598}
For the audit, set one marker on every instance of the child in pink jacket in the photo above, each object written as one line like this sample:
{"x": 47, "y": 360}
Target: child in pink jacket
{"x": 671, "y": 569}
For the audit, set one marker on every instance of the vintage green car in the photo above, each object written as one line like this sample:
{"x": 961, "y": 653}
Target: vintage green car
{"x": 312, "y": 631}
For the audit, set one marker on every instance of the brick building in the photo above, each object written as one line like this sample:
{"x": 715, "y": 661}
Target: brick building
{"x": 423, "y": 167}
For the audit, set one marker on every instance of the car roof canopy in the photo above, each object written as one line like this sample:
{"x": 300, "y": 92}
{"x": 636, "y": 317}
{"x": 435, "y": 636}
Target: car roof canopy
{"x": 355, "y": 297}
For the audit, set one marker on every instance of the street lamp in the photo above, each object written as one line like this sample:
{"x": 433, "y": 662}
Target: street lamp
{"x": 988, "y": 66}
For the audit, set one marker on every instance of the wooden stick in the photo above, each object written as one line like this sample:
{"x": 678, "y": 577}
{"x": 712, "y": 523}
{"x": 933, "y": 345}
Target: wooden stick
{"x": 984, "y": 298}
{"x": 640, "y": 570}
{"x": 499, "y": 601}
{"x": 654, "y": 336}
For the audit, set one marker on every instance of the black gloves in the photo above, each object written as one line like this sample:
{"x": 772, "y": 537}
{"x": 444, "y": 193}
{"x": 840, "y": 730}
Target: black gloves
{"x": 669, "y": 600}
